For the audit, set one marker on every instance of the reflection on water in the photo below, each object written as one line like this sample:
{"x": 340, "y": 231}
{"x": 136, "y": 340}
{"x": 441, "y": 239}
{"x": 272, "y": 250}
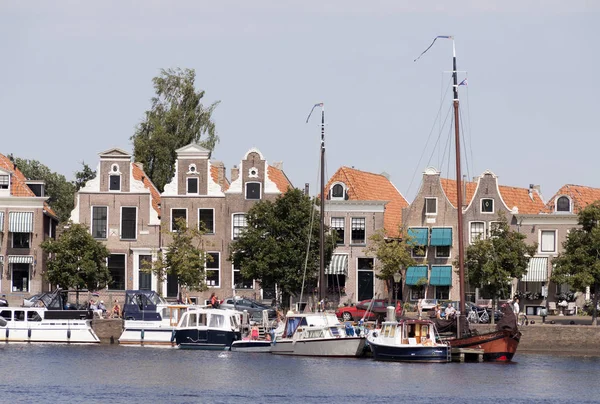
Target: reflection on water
{"x": 115, "y": 374}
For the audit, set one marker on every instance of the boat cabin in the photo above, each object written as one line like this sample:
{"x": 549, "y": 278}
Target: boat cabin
{"x": 144, "y": 305}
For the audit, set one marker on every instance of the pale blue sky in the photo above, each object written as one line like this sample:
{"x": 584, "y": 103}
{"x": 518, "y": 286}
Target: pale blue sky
{"x": 76, "y": 80}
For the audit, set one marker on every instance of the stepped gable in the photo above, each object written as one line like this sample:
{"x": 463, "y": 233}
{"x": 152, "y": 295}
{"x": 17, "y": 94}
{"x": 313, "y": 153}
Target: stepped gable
{"x": 528, "y": 202}
{"x": 279, "y": 178}
{"x": 581, "y": 196}
{"x": 365, "y": 186}
{"x": 139, "y": 174}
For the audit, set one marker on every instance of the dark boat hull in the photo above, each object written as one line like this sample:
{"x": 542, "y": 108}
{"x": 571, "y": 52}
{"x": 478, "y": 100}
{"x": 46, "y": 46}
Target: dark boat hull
{"x": 206, "y": 339}
{"x": 498, "y": 346}
{"x": 423, "y": 354}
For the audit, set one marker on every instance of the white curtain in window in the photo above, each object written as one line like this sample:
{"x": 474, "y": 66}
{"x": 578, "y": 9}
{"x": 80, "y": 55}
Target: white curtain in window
{"x": 548, "y": 240}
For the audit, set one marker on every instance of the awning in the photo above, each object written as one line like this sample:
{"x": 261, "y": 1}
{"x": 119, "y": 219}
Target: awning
{"x": 441, "y": 275}
{"x": 1, "y": 222}
{"x": 338, "y": 265}
{"x": 420, "y": 235}
{"x": 537, "y": 270}
{"x": 441, "y": 236}
{"x": 20, "y": 259}
{"x": 20, "y": 222}
{"x": 413, "y": 274}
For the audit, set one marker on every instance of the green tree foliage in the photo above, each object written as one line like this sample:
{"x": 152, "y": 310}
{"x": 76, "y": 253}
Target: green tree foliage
{"x": 77, "y": 260}
{"x": 492, "y": 263}
{"x": 83, "y": 176}
{"x": 185, "y": 258}
{"x": 393, "y": 256}
{"x": 60, "y": 192}
{"x": 579, "y": 264}
{"x": 176, "y": 118}
{"x": 275, "y": 245}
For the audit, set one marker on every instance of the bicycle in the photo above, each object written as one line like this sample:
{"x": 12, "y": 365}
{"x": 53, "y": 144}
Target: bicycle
{"x": 475, "y": 316}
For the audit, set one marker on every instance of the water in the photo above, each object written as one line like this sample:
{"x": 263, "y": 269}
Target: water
{"x": 116, "y": 374}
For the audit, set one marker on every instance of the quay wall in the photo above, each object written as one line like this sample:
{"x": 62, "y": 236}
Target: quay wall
{"x": 108, "y": 330}
{"x": 556, "y": 338}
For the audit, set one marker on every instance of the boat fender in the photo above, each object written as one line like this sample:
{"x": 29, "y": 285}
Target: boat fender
{"x": 173, "y": 336}
{"x": 374, "y": 335}
{"x": 7, "y": 331}
{"x": 68, "y": 334}
{"x": 142, "y": 334}
{"x": 29, "y": 333}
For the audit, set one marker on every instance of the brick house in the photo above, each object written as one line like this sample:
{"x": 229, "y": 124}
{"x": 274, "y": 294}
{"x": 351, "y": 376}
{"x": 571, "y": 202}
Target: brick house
{"x": 121, "y": 207}
{"x": 359, "y": 203}
{"x": 26, "y": 221}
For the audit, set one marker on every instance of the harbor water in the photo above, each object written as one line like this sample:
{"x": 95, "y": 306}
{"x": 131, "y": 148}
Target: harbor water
{"x": 116, "y": 374}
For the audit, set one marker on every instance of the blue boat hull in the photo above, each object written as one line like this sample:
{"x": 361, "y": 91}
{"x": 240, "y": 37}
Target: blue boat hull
{"x": 215, "y": 340}
{"x": 425, "y": 354}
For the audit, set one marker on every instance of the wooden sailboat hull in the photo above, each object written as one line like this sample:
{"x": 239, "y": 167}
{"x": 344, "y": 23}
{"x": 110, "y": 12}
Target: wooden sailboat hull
{"x": 498, "y": 346}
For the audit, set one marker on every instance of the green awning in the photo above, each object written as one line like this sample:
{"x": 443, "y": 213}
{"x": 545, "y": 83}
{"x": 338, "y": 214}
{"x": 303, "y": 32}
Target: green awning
{"x": 413, "y": 274}
{"x": 420, "y": 235}
{"x": 441, "y": 275}
{"x": 537, "y": 270}
{"x": 441, "y": 236}
{"x": 338, "y": 265}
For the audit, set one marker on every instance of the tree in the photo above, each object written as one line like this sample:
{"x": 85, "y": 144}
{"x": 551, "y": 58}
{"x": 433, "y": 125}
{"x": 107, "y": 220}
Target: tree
{"x": 76, "y": 260}
{"x": 176, "y": 118}
{"x": 393, "y": 256}
{"x": 281, "y": 240}
{"x": 185, "y": 258}
{"x": 492, "y": 263}
{"x": 83, "y": 176}
{"x": 60, "y": 192}
{"x": 579, "y": 264}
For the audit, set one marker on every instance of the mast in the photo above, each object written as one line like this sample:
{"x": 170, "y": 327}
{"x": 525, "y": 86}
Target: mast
{"x": 322, "y": 214}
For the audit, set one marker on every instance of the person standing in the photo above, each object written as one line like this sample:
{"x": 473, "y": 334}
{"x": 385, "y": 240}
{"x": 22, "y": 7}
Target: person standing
{"x": 516, "y": 308}
{"x": 420, "y": 307}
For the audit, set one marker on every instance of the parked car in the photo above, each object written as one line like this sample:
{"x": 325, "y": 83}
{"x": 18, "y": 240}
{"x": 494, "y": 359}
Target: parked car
{"x": 357, "y": 311}
{"x": 253, "y": 307}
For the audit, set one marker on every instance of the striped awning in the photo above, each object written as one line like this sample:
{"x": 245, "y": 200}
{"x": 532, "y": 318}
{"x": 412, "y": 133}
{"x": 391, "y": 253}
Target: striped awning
{"x": 420, "y": 235}
{"x": 537, "y": 270}
{"x": 441, "y": 275}
{"x": 338, "y": 265}
{"x": 20, "y": 259}
{"x": 441, "y": 236}
{"x": 20, "y": 222}
{"x": 1, "y": 221}
{"x": 414, "y": 274}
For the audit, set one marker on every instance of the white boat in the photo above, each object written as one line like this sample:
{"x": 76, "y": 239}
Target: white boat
{"x": 408, "y": 340}
{"x": 256, "y": 336}
{"x": 208, "y": 329}
{"x": 317, "y": 334}
{"x": 38, "y": 324}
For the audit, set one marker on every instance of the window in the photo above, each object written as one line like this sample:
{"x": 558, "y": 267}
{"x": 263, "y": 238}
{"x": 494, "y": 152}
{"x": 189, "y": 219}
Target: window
{"x": 337, "y": 224}
{"x": 239, "y": 282}
{"x": 337, "y": 191}
{"x": 144, "y": 277}
{"x": 192, "y": 185}
{"x": 365, "y": 278}
{"x": 99, "y": 221}
{"x": 477, "y": 231}
{"x": 114, "y": 183}
{"x": 213, "y": 271}
{"x": 206, "y": 220}
{"x": 4, "y": 181}
{"x": 239, "y": 224}
{"x": 419, "y": 251}
{"x": 116, "y": 267}
{"x": 442, "y": 292}
{"x": 20, "y": 277}
{"x": 253, "y": 190}
{"x": 21, "y": 240}
{"x": 442, "y": 251}
{"x": 128, "y": 223}
{"x": 358, "y": 230}
{"x": 548, "y": 241}
{"x": 493, "y": 228}
{"x": 487, "y": 205}
{"x": 563, "y": 204}
{"x": 175, "y": 215}
{"x": 417, "y": 292}
{"x": 431, "y": 206}
{"x": 336, "y": 284}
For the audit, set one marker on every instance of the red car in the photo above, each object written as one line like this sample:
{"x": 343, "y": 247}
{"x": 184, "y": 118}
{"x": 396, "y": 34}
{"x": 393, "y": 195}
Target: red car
{"x": 377, "y": 312}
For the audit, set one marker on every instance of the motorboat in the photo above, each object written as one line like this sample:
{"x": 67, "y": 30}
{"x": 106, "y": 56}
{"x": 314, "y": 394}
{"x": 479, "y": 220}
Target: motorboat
{"x": 318, "y": 334}
{"x": 409, "y": 340}
{"x": 208, "y": 328}
{"x": 257, "y": 336}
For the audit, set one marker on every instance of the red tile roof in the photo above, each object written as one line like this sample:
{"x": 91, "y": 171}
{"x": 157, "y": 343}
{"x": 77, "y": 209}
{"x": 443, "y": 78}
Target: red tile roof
{"x": 214, "y": 173}
{"x": 279, "y": 178}
{"x": 140, "y": 175}
{"x": 581, "y": 196}
{"x": 365, "y": 186}
{"x": 526, "y": 202}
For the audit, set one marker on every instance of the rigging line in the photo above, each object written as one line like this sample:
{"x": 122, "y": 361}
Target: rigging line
{"x": 427, "y": 142}
{"x": 435, "y": 146}
{"x": 464, "y": 146}
{"x": 470, "y": 132}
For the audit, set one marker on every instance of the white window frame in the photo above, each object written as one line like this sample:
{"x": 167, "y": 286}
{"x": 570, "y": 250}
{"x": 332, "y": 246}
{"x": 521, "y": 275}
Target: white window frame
{"x": 338, "y": 198}
{"x": 136, "y": 268}
{"x": 542, "y": 244}
{"x": 171, "y": 217}
{"x": 260, "y": 190}
{"x": 424, "y": 247}
{"x": 436, "y": 206}
{"x": 234, "y": 227}
{"x": 218, "y": 269}
{"x": 4, "y": 181}
{"x": 570, "y": 204}
{"x": 115, "y": 172}
{"x": 92, "y": 221}
{"x": 443, "y": 257}
{"x": 364, "y": 219}
{"x": 187, "y": 186}
{"x": 213, "y": 219}
{"x": 490, "y": 226}
{"x": 121, "y": 223}
{"x": 481, "y": 206}
{"x": 336, "y": 226}
{"x": 471, "y": 239}
{"x": 235, "y": 270}
{"x": 12, "y": 278}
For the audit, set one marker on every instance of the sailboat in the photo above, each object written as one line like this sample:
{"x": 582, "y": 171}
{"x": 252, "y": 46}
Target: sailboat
{"x": 319, "y": 333}
{"x": 499, "y": 345}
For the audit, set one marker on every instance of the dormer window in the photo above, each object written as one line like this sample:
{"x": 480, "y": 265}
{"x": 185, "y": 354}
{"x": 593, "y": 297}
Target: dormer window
{"x": 338, "y": 192}
{"x": 563, "y": 204}
{"x": 487, "y": 205}
{"x": 4, "y": 181}
{"x": 253, "y": 190}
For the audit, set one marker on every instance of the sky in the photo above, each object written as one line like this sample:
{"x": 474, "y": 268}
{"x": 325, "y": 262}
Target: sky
{"x": 76, "y": 79}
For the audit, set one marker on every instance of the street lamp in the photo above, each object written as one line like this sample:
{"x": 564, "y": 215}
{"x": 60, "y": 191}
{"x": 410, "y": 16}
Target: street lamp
{"x": 397, "y": 279}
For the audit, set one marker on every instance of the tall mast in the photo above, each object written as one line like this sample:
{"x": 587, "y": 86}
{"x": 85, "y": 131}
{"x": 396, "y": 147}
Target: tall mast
{"x": 322, "y": 217}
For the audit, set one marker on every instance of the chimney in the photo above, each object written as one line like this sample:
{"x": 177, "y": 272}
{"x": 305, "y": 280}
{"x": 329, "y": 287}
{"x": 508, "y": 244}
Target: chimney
{"x": 140, "y": 165}
{"x": 386, "y": 175}
{"x": 306, "y": 188}
{"x": 278, "y": 165}
{"x": 220, "y": 172}
{"x": 235, "y": 173}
